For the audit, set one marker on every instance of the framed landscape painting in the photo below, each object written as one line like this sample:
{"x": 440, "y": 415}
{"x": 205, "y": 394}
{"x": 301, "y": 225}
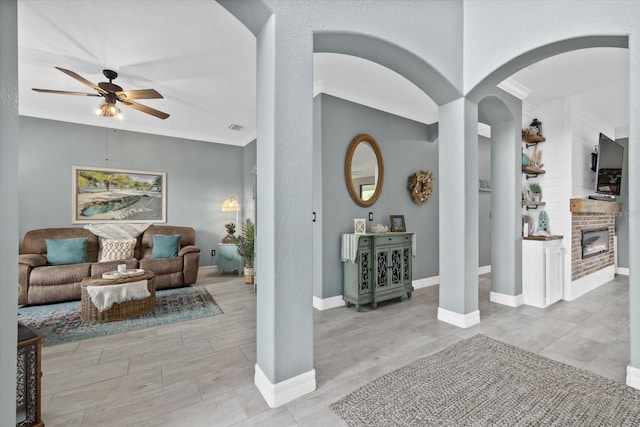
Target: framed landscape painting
{"x": 115, "y": 195}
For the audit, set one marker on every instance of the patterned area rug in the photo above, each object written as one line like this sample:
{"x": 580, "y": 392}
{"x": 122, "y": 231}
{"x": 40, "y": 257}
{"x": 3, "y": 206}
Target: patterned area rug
{"x": 61, "y": 322}
{"x": 483, "y": 382}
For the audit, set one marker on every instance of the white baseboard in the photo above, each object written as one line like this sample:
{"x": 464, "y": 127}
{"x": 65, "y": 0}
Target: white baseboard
{"x": 435, "y": 280}
{"x": 624, "y": 271}
{"x": 504, "y": 299}
{"x": 633, "y": 377}
{"x": 285, "y": 391}
{"x": 337, "y": 301}
{"x": 328, "y": 303}
{"x": 484, "y": 269}
{"x": 426, "y": 282}
{"x": 457, "y": 319}
{"x": 586, "y": 284}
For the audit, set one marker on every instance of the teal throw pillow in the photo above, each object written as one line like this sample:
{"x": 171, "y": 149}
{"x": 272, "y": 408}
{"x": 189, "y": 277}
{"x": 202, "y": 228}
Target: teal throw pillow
{"x": 66, "y": 251}
{"x": 165, "y": 246}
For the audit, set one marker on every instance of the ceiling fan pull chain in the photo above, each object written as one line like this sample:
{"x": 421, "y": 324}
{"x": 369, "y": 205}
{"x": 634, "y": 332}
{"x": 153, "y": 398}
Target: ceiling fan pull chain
{"x": 106, "y": 144}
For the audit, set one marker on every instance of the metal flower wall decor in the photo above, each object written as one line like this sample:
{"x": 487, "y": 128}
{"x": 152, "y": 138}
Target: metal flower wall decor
{"x": 420, "y": 186}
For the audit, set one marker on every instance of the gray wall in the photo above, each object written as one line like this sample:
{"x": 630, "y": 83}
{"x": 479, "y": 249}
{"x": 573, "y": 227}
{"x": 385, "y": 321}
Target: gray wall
{"x": 9, "y": 133}
{"x": 405, "y": 150}
{"x": 248, "y": 207}
{"x": 484, "y": 202}
{"x": 200, "y": 175}
{"x": 622, "y": 220}
{"x": 318, "y": 276}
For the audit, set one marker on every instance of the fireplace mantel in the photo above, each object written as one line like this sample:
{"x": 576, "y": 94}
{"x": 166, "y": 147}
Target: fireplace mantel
{"x": 593, "y": 206}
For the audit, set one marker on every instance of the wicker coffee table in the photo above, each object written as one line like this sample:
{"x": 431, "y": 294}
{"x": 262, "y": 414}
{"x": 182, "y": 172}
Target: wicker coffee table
{"x": 118, "y": 311}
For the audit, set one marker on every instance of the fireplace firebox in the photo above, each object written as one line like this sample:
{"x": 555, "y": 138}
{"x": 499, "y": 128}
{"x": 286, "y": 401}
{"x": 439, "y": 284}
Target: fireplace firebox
{"x": 595, "y": 242}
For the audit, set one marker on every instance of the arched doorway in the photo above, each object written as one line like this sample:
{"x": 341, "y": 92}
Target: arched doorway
{"x": 521, "y": 61}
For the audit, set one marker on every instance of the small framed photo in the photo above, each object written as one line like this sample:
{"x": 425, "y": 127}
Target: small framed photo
{"x": 396, "y": 223}
{"x": 359, "y": 226}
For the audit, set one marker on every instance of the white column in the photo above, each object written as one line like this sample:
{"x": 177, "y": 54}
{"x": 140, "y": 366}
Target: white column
{"x": 458, "y": 174}
{"x": 284, "y": 368}
{"x": 8, "y": 208}
{"x": 506, "y": 214}
{"x": 633, "y": 370}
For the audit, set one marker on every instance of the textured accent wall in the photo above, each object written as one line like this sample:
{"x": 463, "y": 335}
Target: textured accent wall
{"x": 588, "y": 221}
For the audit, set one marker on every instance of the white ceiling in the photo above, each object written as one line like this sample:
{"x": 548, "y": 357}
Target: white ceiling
{"x": 597, "y": 77}
{"x": 199, "y": 57}
{"x": 202, "y": 60}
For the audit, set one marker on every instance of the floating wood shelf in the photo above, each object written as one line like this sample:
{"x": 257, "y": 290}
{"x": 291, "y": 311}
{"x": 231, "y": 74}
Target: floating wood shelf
{"x": 531, "y": 172}
{"x": 532, "y": 139}
{"x": 593, "y": 206}
{"x": 544, "y": 238}
{"x": 532, "y": 205}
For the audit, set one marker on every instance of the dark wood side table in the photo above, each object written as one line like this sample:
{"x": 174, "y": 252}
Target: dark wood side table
{"x": 28, "y": 381}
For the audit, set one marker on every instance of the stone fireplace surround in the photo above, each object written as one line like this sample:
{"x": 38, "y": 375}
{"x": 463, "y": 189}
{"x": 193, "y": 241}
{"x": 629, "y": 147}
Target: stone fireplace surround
{"x": 590, "y": 215}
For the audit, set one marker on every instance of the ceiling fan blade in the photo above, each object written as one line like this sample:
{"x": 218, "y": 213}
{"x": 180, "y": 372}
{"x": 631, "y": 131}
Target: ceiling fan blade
{"x": 65, "y": 92}
{"x": 82, "y": 80}
{"x": 157, "y": 113}
{"x": 139, "y": 94}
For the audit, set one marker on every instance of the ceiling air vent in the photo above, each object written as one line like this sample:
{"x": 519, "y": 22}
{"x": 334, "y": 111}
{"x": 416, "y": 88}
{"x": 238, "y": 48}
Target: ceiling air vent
{"x": 234, "y": 126}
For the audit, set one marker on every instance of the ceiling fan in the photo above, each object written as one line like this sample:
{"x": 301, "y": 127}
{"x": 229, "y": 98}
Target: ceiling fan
{"x": 111, "y": 93}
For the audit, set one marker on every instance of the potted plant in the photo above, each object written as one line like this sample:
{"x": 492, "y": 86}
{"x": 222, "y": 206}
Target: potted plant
{"x": 245, "y": 243}
{"x": 231, "y": 229}
{"x": 536, "y": 191}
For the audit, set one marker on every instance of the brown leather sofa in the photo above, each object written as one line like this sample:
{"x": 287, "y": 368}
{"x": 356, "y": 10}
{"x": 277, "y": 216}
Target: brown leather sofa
{"x": 40, "y": 283}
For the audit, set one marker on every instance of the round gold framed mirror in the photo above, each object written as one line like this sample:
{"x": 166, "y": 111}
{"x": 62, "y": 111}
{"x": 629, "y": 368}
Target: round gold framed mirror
{"x": 364, "y": 170}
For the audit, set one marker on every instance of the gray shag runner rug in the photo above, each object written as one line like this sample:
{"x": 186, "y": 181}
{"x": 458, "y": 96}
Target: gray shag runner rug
{"x": 483, "y": 382}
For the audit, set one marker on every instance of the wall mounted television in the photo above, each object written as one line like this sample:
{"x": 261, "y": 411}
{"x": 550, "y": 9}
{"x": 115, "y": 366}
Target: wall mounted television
{"x": 609, "y": 166}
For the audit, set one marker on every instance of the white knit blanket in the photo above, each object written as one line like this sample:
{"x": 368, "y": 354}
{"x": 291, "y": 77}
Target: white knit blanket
{"x": 103, "y": 297}
{"x": 117, "y": 231}
{"x": 414, "y": 245}
{"x": 349, "y": 249}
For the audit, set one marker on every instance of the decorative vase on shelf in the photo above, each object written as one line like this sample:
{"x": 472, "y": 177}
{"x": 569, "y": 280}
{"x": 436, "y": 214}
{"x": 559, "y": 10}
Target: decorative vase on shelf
{"x": 543, "y": 222}
{"x": 537, "y": 125}
{"x": 525, "y": 159}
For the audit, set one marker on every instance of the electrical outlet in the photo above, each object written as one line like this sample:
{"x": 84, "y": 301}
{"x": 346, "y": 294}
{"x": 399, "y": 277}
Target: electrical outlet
{"x": 213, "y": 252}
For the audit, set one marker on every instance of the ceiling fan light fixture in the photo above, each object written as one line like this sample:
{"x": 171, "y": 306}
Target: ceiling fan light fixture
{"x": 111, "y": 93}
{"x": 107, "y": 109}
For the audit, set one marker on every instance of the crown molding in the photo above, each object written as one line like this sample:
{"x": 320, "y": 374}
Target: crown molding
{"x": 514, "y": 88}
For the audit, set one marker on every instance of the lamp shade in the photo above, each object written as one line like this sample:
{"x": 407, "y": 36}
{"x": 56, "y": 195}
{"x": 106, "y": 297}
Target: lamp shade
{"x": 230, "y": 204}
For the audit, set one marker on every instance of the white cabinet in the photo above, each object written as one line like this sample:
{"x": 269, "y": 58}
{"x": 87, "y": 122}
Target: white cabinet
{"x": 542, "y": 271}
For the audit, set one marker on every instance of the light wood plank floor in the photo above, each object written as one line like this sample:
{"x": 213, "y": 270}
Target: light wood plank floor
{"x": 200, "y": 373}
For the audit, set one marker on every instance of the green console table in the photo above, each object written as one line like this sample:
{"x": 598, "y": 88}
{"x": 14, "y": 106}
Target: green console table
{"x": 229, "y": 259}
{"x": 381, "y": 271}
